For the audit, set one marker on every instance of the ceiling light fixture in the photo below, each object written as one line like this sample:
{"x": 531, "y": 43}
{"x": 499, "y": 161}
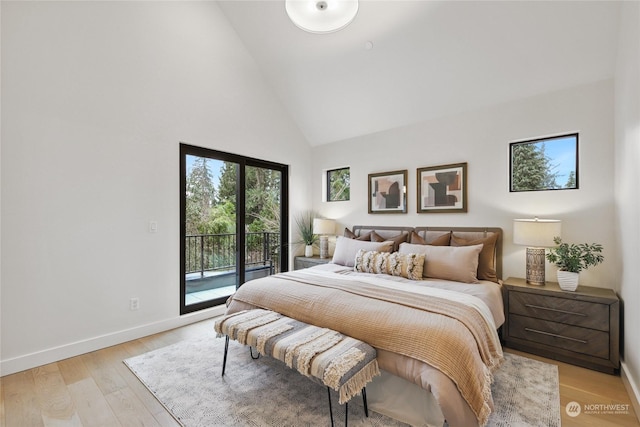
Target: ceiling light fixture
{"x": 321, "y": 16}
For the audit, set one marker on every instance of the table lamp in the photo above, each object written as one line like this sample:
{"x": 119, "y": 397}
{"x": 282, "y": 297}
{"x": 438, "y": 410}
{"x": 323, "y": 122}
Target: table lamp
{"x": 536, "y": 234}
{"x": 323, "y": 227}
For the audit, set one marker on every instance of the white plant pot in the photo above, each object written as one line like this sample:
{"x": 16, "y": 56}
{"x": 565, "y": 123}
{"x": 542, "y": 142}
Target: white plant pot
{"x": 567, "y": 280}
{"x": 308, "y": 251}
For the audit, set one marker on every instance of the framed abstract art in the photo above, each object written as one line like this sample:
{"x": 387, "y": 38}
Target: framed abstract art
{"x": 388, "y": 192}
{"x": 442, "y": 189}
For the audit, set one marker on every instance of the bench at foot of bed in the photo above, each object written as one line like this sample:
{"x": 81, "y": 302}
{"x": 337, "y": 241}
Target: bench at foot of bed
{"x": 325, "y": 356}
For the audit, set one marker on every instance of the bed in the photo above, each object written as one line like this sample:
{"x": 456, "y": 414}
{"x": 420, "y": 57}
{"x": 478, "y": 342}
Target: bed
{"x": 427, "y": 298}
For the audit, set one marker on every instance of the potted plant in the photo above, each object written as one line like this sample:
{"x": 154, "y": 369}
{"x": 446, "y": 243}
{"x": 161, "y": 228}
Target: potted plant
{"x": 304, "y": 221}
{"x": 571, "y": 259}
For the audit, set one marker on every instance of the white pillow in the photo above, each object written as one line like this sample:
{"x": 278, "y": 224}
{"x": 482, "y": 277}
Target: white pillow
{"x": 455, "y": 263}
{"x": 346, "y": 249}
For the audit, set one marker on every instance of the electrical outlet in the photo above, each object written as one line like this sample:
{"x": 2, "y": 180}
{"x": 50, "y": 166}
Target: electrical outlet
{"x": 134, "y": 304}
{"x": 153, "y": 226}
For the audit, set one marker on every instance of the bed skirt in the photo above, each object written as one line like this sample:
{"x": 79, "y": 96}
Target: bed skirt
{"x": 404, "y": 401}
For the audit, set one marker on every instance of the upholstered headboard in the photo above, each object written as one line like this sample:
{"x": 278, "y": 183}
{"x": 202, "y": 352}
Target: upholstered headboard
{"x": 431, "y": 233}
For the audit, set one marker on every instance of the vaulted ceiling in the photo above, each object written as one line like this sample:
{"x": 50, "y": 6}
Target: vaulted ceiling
{"x": 425, "y": 59}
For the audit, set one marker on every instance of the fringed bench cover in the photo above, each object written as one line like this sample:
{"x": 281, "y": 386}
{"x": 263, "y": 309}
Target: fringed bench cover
{"x": 337, "y": 361}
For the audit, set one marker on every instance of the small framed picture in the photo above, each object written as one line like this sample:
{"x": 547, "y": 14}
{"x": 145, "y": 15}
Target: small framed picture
{"x": 442, "y": 189}
{"x": 388, "y": 192}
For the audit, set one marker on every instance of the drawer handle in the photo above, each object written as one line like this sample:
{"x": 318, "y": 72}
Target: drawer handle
{"x": 554, "y": 335}
{"x": 555, "y": 309}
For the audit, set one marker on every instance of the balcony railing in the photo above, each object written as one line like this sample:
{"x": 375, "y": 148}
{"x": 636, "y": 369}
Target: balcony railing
{"x": 217, "y": 252}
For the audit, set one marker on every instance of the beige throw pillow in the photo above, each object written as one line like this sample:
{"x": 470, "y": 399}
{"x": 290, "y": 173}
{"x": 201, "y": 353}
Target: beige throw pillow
{"x": 346, "y": 249}
{"x": 458, "y": 264}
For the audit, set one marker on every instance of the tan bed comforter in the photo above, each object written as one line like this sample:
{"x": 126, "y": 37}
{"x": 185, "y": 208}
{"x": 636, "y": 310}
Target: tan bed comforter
{"x": 449, "y": 331}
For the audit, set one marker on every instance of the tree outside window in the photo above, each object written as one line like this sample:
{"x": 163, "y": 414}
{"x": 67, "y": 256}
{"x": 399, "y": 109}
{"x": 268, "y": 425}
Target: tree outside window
{"x": 544, "y": 164}
{"x": 338, "y": 184}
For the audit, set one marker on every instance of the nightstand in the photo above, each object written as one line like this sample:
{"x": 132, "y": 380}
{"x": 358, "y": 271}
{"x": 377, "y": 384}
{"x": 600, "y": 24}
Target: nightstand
{"x": 301, "y": 262}
{"x": 581, "y": 327}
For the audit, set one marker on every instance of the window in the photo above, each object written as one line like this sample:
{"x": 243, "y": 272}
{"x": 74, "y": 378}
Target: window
{"x": 233, "y": 224}
{"x": 544, "y": 164}
{"x": 338, "y": 184}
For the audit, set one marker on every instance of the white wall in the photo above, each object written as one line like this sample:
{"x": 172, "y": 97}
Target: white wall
{"x": 481, "y": 138}
{"x": 96, "y": 97}
{"x": 627, "y": 183}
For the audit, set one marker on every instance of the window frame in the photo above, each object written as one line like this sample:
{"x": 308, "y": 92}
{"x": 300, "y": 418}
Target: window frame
{"x": 513, "y": 145}
{"x": 328, "y": 184}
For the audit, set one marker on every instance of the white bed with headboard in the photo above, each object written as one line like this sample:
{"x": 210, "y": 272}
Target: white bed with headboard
{"x": 427, "y": 298}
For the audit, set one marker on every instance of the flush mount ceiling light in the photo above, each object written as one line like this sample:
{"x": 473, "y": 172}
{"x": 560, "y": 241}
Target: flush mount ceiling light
{"x": 321, "y": 16}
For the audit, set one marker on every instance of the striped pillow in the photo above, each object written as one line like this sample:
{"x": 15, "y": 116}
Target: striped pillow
{"x": 409, "y": 266}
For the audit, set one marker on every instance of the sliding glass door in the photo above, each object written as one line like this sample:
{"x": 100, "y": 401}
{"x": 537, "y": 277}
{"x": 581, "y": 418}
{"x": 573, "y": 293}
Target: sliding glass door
{"x": 233, "y": 224}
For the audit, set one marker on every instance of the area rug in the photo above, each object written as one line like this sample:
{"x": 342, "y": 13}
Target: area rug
{"x": 185, "y": 378}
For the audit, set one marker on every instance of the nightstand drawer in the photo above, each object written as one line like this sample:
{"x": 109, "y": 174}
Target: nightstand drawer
{"x": 562, "y": 310}
{"x": 573, "y": 338}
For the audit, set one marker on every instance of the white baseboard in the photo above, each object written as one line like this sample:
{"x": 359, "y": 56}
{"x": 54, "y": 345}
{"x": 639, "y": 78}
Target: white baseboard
{"x": 632, "y": 388}
{"x": 32, "y": 360}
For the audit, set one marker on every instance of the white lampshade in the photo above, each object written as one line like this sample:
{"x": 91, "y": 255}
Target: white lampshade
{"x": 323, "y": 226}
{"x": 321, "y": 16}
{"x": 536, "y": 232}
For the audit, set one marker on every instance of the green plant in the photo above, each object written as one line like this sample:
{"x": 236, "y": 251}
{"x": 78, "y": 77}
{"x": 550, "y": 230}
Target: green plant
{"x": 304, "y": 221}
{"x": 575, "y": 257}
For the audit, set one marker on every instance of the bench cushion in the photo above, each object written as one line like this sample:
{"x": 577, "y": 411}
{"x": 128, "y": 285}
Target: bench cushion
{"x": 343, "y": 363}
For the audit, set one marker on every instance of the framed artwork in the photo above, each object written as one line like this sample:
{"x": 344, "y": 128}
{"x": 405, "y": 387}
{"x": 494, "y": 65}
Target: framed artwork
{"x": 442, "y": 189}
{"x": 388, "y": 192}
{"x": 544, "y": 164}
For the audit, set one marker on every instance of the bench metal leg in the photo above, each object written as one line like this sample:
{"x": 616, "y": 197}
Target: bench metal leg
{"x": 330, "y": 410}
{"x": 346, "y": 406}
{"x": 251, "y": 352}
{"x": 364, "y": 401}
{"x": 226, "y": 349}
{"x": 346, "y": 413}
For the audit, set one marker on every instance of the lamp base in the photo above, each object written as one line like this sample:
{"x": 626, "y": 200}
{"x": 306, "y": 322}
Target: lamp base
{"x": 324, "y": 247}
{"x": 535, "y": 266}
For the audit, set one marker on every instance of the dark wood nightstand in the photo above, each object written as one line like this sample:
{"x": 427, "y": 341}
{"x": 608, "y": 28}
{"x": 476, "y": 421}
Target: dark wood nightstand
{"x": 301, "y": 262}
{"x": 581, "y": 327}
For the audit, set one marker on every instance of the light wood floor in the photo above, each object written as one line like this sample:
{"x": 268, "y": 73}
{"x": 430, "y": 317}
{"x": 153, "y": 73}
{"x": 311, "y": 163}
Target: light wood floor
{"x": 97, "y": 389}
